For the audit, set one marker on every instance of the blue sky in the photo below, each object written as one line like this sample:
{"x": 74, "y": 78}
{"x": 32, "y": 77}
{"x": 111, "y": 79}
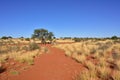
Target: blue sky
{"x": 75, "y": 18}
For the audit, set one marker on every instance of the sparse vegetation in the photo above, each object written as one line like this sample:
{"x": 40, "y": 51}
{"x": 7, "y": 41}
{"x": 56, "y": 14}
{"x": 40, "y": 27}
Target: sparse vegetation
{"x": 33, "y": 46}
{"x": 87, "y": 75}
{"x": 23, "y": 53}
{"x": 100, "y": 58}
{"x": 103, "y": 56}
{"x": 116, "y": 75}
{"x": 14, "y": 72}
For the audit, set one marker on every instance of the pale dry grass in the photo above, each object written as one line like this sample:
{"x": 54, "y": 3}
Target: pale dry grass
{"x": 118, "y": 64}
{"x": 102, "y": 62}
{"x": 3, "y": 58}
{"x": 98, "y": 48}
{"x": 66, "y": 40}
{"x": 21, "y": 56}
{"x": 104, "y": 72}
{"x": 81, "y": 58}
{"x": 105, "y": 52}
{"x": 87, "y": 75}
{"x": 28, "y": 57}
{"x": 116, "y": 75}
{"x": 21, "y": 53}
{"x": 90, "y": 65}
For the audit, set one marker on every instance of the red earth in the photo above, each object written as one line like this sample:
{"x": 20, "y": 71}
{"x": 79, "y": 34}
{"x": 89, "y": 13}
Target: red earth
{"x": 49, "y": 66}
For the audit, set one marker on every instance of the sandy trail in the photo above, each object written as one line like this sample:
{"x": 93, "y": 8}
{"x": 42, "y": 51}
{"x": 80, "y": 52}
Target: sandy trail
{"x": 50, "y": 66}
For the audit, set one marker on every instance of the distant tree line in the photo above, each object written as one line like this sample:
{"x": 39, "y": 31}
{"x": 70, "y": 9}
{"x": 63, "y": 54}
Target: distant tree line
{"x": 77, "y": 39}
{"x": 44, "y": 35}
{"x": 6, "y": 37}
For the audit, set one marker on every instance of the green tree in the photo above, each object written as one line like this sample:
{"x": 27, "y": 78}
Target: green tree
{"x": 43, "y": 35}
{"x": 4, "y": 37}
{"x": 50, "y": 36}
{"x": 114, "y": 37}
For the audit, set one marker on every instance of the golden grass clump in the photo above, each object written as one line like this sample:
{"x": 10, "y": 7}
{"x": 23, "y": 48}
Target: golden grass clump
{"x": 81, "y": 58}
{"x": 90, "y": 65}
{"x": 104, "y": 72}
{"x": 3, "y": 58}
{"x": 116, "y": 75}
{"x": 86, "y": 75}
{"x": 27, "y": 57}
{"x": 118, "y": 64}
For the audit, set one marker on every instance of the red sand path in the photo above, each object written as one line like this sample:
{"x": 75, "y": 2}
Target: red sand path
{"x": 50, "y": 66}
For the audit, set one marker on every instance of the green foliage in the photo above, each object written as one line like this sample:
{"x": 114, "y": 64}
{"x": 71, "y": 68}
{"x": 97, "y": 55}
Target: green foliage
{"x": 114, "y": 37}
{"x": 50, "y": 36}
{"x": 67, "y": 38}
{"x": 27, "y": 39}
{"x": 5, "y": 37}
{"x": 77, "y": 39}
{"x": 42, "y": 34}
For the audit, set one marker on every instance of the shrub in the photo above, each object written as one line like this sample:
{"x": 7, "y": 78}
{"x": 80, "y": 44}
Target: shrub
{"x": 14, "y": 48}
{"x": 28, "y": 57}
{"x": 114, "y": 37}
{"x": 33, "y": 46}
{"x": 27, "y": 39}
{"x": 25, "y": 48}
{"x": 4, "y": 37}
{"x": 77, "y": 40}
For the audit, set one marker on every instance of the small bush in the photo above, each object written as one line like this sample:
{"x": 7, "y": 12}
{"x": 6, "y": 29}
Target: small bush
{"x": 33, "y": 46}
{"x": 25, "y": 48}
{"x": 77, "y": 40}
{"x": 27, "y": 39}
{"x": 28, "y": 57}
{"x": 14, "y": 48}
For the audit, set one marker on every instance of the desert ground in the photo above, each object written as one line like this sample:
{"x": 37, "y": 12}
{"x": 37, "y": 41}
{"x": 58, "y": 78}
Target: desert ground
{"x": 64, "y": 60}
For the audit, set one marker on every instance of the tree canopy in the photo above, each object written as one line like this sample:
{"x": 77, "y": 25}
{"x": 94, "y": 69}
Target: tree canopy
{"x": 43, "y": 34}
